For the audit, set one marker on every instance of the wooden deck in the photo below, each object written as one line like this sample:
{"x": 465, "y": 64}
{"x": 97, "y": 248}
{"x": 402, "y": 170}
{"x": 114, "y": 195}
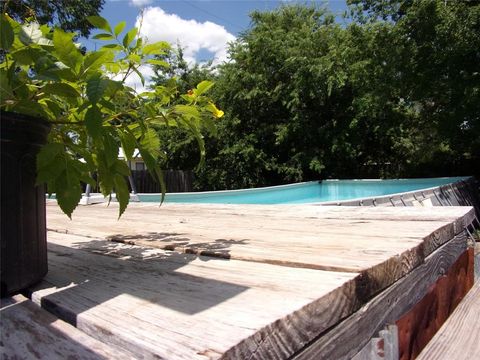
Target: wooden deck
{"x": 29, "y": 332}
{"x": 236, "y": 282}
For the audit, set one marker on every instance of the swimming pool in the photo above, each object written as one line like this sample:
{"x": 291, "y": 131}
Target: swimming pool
{"x": 307, "y": 192}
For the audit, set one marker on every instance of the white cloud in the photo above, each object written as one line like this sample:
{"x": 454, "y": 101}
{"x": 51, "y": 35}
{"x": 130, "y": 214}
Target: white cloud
{"x": 140, "y": 3}
{"x": 158, "y": 25}
{"x": 192, "y": 35}
{"x": 134, "y": 80}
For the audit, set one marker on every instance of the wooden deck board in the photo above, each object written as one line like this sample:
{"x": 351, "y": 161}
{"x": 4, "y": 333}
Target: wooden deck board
{"x": 315, "y": 237}
{"x": 459, "y": 336}
{"x": 29, "y": 332}
{"x": 308, "y": 268}
{"x": 181, "y": 304}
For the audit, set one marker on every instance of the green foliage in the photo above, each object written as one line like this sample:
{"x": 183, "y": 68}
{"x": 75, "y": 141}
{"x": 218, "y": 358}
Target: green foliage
{"x": 394, "y": 93}
{"x": 285, "y": 97}
{"x": 91, "y": 109}
{"x": 422, "y": 73}
{"x": 176, "y": 76}
{"x": 69, "y": 15}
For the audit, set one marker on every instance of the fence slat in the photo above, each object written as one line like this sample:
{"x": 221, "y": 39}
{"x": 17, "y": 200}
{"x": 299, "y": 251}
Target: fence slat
{"x": 175, "y": 180}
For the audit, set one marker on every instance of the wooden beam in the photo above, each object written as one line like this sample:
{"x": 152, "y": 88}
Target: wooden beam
{"x": 348, "y": 337}
{"x": 417, "y": 326}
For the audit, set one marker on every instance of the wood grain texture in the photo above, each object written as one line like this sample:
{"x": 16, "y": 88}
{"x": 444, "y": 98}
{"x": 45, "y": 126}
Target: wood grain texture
{"x": 477, "y": 262}
{"x": 459, "y": 335}
{"x": 352, "y": 334}
{"x": 137, "y": 294}
{"x": 29, "y": 332}
{"x": 169, "y": 305}
{"x": 315, "y": 237}
{"x": 417, "y": 327}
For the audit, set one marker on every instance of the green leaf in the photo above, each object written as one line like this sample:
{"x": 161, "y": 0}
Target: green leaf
{"x": 161, "y": 63}
{"x": 30, "y": 33}
{"x": 122, "y": 193}
{"x": 95, "y": 60}
{"x": 29, "y": 107}
{"x": 68, "y": 190}
{"x": 6, "y": 35}
{"x": 129, "y": 37}
{"x": 112, "y": 47}
{"x": 151, "y": 142}
{"x": 140, "y": 75}
{"x": 54, "y": 107}
{"x": 56, "y": 168}
{"x": 128, "y": 143}
{"x": 203, "y": 87}
{"x": 65, "y": 49}
{"x": 134, "y": 58}
{"x": 104, "y": 36}
{"x": 6, "y": 91}
{"x": 27, "y": 55}
{"x": 112, "y": 87}
{"x": 157, "y": 48}
{"x": 195, "y": 131}
{"x": 110, "y": 148}
{"x": 83, "y": 171}
{"x": 119, "y": 27}
{"x": 154, "y": 169}
{"x": 96, "y": 87}
{"x": 188, "y": 111}
{"x": 100, "y": 23}
{"x": 60, "y": 89}
{"x": 113, "y": 68}
{"x": 210, "y": 125}
{"x": 121, "y": 167}
{"x": 48, "y": 154}
{"x": 93, "y": 121}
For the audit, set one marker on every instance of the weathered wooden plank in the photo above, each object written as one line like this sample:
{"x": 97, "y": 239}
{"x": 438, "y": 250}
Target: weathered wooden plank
{"x": 343, "y": 242}
{"x": 348, "y": 337}
{"x": 29, "y": 332}
{"x": 201, "y": 296}
{"x": 264, "y": 211}
{"x": 477, "y": 261}
{"x": 417, "y": 326}
{"x": 371, "y": 247}
{"x": 182, "y": 306}
{"x": 459, "y": 335}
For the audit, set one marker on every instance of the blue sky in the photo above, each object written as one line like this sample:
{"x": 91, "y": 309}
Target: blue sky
{"x": 165, "y": 16}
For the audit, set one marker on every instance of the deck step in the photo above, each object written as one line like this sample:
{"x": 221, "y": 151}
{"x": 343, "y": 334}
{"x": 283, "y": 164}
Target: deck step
{"x": 29, "y": 332}
{"x": 459, "y": 336}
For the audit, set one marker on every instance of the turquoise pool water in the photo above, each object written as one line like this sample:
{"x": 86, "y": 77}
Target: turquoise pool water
{"x": 304, "y": 193}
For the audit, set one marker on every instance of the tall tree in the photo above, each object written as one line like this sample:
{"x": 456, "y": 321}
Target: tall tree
{"x": 286, "y": 101}
{"x": 70, "y": 15}
{"x": 182, "y": 148}
{"x": 435, "y": 76}
{"x": 392, "y": 95}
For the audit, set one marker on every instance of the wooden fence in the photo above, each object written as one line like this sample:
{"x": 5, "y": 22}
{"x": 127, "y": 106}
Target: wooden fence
{"x": 175, "y": 180}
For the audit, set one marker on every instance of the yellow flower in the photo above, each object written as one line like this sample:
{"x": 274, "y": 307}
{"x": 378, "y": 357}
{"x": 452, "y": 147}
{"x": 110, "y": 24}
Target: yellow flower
{"x": 215, "y": 111}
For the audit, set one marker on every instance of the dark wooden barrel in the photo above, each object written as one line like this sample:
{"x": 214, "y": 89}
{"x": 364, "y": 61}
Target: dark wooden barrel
{"x": 23, "y": 214}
